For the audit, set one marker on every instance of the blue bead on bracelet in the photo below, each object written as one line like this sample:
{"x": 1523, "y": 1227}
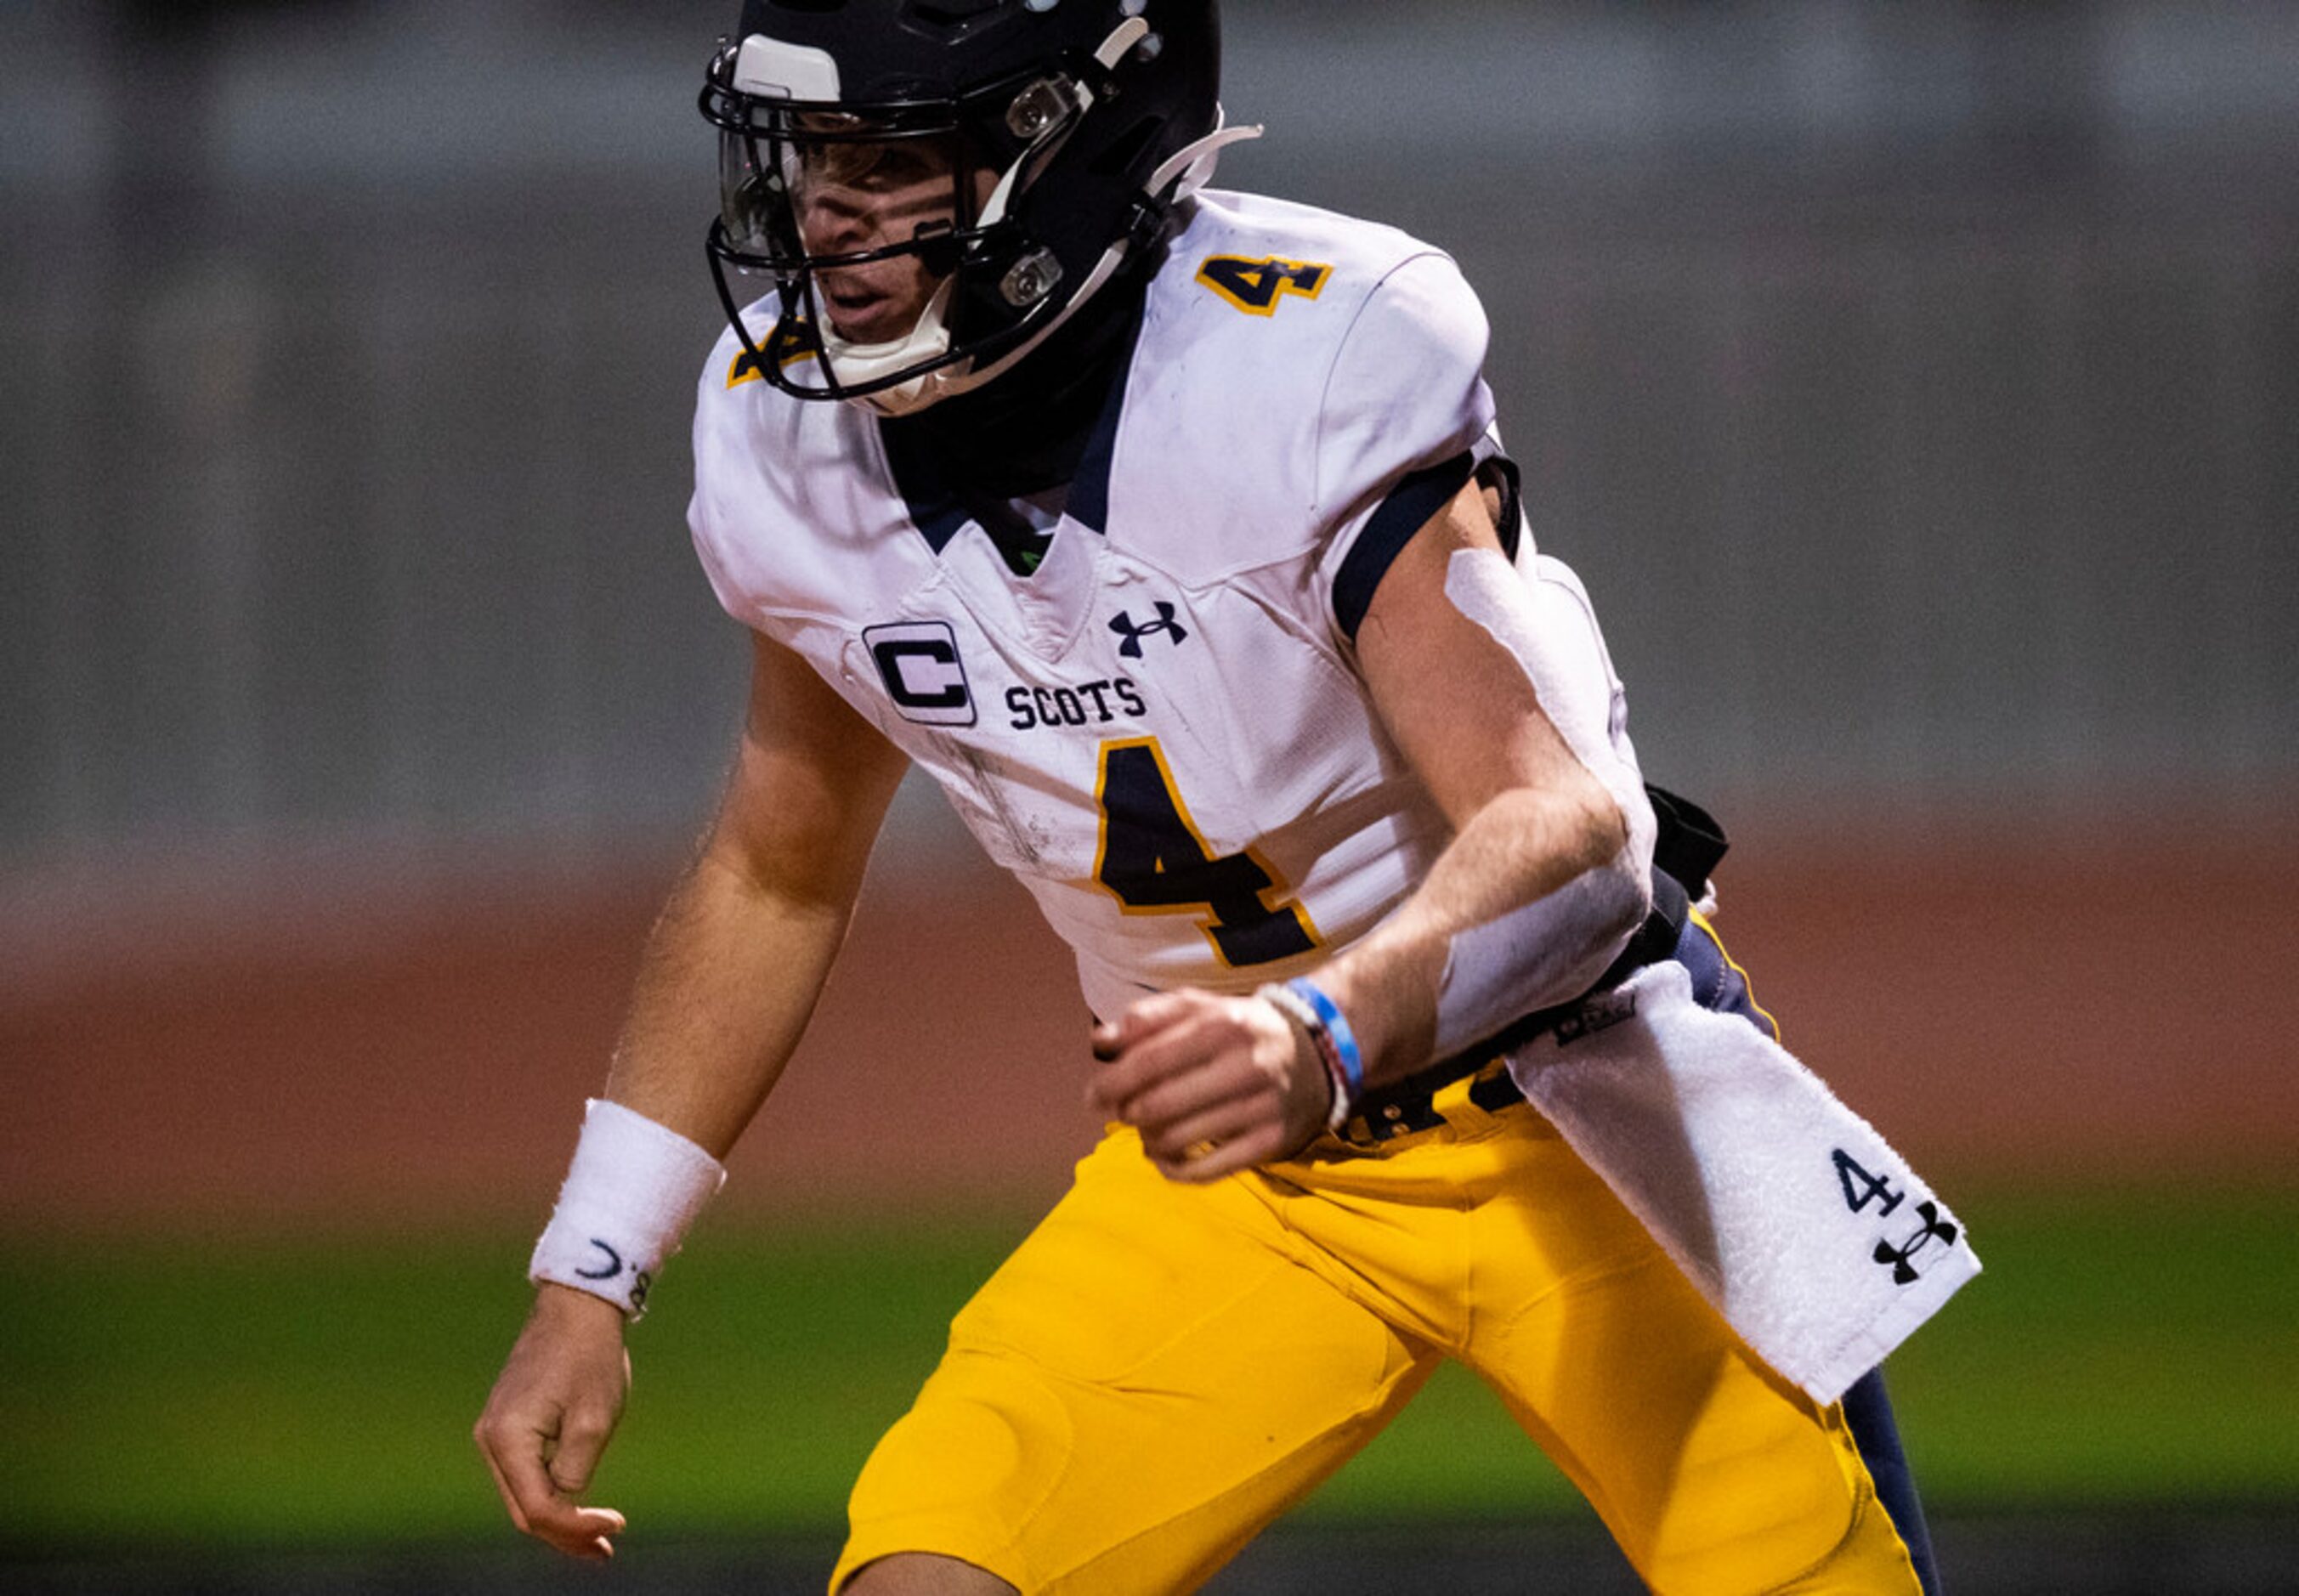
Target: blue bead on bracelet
{"x": 1337, "y": 1028}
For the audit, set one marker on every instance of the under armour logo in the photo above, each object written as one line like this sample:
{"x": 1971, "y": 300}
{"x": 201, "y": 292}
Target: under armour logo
{"x": 1903, "y": 1273}
{"x": 1123, "y": 625}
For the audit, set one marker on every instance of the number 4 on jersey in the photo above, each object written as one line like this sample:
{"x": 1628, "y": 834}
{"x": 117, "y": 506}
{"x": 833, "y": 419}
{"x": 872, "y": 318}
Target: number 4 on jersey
{"x": 1254, "y": 286}
{"x": 1862, "y": 1188}
{"x": 1153, "y": 859}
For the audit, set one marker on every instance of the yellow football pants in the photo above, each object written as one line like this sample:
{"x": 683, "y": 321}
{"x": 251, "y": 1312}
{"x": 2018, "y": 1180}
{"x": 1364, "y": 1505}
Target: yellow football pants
{"x": 1159, "y": 1371}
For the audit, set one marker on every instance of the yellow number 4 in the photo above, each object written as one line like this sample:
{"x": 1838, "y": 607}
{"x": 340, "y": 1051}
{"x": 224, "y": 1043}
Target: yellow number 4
{"x": 1255, "y": 287}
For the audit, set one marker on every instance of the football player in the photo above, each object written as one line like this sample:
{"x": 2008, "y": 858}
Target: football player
{"x": 1167, "y": 528}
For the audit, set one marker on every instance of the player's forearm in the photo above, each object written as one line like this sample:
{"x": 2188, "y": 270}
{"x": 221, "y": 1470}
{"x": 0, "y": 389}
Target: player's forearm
{"x": 1535, "y": 894}
{"x": 730, "y": 976}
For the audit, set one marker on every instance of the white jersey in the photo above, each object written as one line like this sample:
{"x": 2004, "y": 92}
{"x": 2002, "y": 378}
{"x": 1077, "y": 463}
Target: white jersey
{"x": 1161, "y": 731}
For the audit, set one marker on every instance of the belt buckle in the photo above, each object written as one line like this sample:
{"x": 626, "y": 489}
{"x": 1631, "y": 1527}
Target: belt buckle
{"x": 1385, "y": 1122}
{"x": 1490, "y": 1087}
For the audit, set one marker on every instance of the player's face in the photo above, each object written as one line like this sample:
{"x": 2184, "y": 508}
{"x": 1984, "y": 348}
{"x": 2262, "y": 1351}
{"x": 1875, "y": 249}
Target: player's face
{"x": 852, "y": 196}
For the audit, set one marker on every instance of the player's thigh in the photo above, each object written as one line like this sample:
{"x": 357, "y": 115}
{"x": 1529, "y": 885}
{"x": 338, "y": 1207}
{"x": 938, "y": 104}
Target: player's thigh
{"x": 1714, "y": 1475}
{"x": 1145, "y": 1384}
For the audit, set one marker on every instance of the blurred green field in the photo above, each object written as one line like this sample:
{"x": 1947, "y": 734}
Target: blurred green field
{"x": 233, "y": 1393}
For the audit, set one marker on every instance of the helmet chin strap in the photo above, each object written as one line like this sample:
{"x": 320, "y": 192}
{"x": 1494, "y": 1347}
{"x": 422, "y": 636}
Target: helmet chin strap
{"x": 1193, "y": 164}
{"x": 849, "y": 363}
{"x": 1186, "y": 170}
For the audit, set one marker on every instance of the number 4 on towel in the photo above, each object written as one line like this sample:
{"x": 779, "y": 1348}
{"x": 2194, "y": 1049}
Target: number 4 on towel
{"x": 1862, "y": 1188}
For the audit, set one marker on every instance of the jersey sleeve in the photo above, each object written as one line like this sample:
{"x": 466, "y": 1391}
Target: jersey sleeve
{"x": 706, "y": 520}
{"x": 750, "y": 517}
{"x": 1404, "y": 419}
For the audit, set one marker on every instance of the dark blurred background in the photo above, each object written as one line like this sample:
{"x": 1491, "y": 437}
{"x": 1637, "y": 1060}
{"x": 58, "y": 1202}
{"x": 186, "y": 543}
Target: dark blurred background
{"x": 1916, "y": 385}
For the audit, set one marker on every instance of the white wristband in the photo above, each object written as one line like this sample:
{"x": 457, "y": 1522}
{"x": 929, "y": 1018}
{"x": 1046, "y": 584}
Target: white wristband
{"x": 633, "y": 1189}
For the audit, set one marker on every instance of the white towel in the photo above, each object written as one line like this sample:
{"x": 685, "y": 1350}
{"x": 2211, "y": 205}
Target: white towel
{"x": 1805, "y": 1230}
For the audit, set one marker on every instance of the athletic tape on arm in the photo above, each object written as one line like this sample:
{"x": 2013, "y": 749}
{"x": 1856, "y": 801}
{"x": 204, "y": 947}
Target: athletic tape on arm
{"x": 1552, "y": 949}
{"x": 631, "y": 1191}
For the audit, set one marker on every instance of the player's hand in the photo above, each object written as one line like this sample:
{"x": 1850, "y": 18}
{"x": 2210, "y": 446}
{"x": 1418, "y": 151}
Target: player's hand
{"x": 549, "y": 1416}
{"x": 1214, "y": 1084}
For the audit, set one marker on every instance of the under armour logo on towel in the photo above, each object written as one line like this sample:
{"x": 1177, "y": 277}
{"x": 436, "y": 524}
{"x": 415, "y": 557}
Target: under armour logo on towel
{"x": 1903, "y": 1273}
{"x": 1123, "y": 624}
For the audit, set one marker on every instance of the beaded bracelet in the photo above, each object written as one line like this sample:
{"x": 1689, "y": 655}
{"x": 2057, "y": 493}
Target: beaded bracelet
{"x": 1329, "y": 1033}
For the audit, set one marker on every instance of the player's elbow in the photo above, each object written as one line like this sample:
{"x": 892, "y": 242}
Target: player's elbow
{"x": 1594, "y": 832}
{"x": 1619, "y": 885}
{"x": 1615, "y": 899}
{"x": 1586, "y": 840}
{"x": 1605, "y": 829}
